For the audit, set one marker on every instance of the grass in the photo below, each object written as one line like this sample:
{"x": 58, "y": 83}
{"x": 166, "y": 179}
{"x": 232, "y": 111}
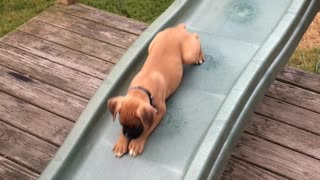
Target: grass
{"x": 13, "y": 13}
{"x": 141, "y": 10}
{"x": 307, "y": 60}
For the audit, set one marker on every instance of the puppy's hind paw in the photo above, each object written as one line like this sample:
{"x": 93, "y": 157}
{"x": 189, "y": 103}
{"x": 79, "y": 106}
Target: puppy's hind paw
{"x": 199, "y": 62}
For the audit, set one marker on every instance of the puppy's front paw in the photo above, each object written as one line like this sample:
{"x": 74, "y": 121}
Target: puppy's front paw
{"x": 120, "y": 148}
{"x": 136, "y": 147}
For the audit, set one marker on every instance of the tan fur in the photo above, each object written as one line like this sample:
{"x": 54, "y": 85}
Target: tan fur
{"x": 161, "y": 75}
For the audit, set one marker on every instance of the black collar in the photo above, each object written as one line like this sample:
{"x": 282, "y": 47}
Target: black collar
{"x": 147, "y": 93}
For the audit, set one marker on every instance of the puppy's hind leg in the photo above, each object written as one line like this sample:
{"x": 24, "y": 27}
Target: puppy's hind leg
{"x": 191, "y": 50}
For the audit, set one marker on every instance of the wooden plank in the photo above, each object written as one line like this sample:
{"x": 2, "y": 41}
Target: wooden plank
{"x": 51, "y": 73}
{"x": 73, "y": 40}
{"x": 300, "y": 78}
{"x": 25, "y": 149}
{"x": 88, "y": 28}
{"x": 286, "y": 135}
{"x": 103, "y": 17}
{"x": 240, "y": 170}
{"x": 12, "y": 171}
{"x": 43, "y": 95}
{"x": 295, "y": 95}
{"x": 275, "y": 158}
{"x": 34, "y": 120}
{"x": 59, "y": 54}
{"x": 290, "y": 114}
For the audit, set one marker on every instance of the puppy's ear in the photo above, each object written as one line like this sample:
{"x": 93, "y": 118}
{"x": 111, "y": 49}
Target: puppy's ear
{"x": 146, "y": 113}
{"x": 114, "y": 105}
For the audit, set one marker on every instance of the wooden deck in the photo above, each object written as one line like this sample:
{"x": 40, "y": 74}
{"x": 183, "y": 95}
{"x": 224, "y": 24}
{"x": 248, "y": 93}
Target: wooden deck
{"x": 52, "y": 65}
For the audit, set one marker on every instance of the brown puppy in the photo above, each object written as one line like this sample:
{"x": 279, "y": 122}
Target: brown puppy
{"x": 145, "y": 104}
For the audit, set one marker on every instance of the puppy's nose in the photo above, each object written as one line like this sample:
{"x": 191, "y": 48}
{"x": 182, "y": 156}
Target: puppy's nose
{"x": 132, "y": 132}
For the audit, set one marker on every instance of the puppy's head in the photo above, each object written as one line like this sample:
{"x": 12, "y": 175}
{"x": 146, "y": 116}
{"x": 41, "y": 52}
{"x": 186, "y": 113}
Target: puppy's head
{"x": 135, "y": 116}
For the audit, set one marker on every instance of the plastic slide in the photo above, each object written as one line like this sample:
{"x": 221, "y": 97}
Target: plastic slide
{"x": 245, "y": 42}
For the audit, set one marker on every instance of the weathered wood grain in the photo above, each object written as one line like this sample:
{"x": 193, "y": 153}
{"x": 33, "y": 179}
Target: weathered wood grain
{"x": 10, "y": 170}
{"x": 240, "y": 170}
{"x": 43, "y": 95}
{"x": 51, "y": 73}
{"x": 24, "y": 148}
{"x": 73, "y": 40}
{"x": 286, "y": 135}
{"x": 295, "y": 95}
{"x": 103, "y": 17}
{"x": 276, "y": 158}
{"x": 59, "y": 54}
{"x": 29, "y": 118}
{"x": 301, "y": 79}
{"x": 88, "y": 28}
{"x": 290, "y": 114}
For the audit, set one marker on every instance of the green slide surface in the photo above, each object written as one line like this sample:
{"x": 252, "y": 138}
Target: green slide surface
{"x": 245, "y": 42}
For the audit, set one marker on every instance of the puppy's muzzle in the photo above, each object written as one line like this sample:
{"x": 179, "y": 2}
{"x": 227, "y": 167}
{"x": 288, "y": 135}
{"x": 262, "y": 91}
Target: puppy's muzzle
{"x": 132, "y": 133}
